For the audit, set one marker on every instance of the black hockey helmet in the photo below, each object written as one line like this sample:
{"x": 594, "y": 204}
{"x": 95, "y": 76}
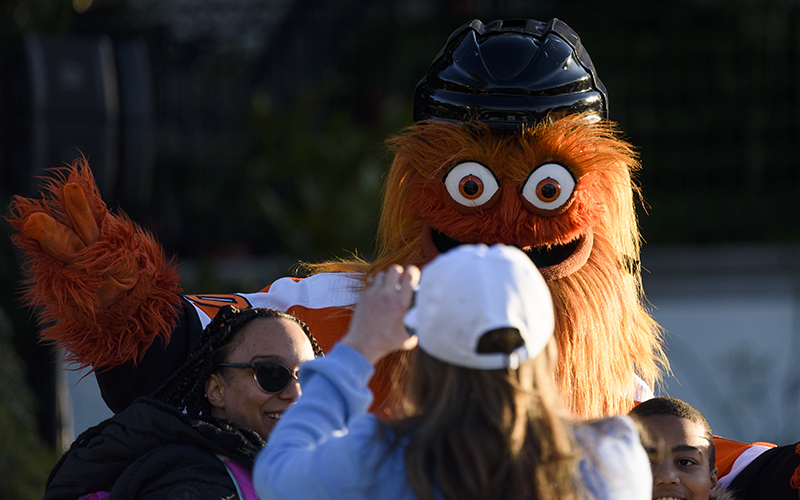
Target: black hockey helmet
{"x": 510, "y": 73}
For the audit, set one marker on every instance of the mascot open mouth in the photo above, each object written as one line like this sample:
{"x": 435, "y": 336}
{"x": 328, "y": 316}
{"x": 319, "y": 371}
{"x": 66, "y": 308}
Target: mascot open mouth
{"x": 554, "y": 261}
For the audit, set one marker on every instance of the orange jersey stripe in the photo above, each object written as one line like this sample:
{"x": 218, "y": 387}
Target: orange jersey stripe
{"x": 727, "y": 451}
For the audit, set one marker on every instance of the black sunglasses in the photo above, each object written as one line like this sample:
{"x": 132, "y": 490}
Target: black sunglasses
{"x": 271, "y": 377}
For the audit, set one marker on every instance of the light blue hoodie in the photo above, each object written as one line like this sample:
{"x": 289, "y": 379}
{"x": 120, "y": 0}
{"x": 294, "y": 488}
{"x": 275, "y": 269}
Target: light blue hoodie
{"x": 325, "y": 446}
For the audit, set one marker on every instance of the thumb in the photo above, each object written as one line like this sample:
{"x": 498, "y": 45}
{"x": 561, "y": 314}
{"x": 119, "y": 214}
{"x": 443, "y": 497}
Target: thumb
{"x": 113, "y": 287}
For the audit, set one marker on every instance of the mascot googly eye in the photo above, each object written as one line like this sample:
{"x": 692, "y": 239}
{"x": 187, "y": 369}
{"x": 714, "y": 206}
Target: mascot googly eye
{"x": 470, "y": 184}
{"x": 548, "y": 190}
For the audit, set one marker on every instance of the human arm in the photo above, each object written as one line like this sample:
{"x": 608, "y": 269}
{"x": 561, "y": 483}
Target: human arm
{"x": 320, "y": 301}
{"x": 759, "y": 470}
{"x": 377, "y": 327}
{"x": 315, "y": 450}
{"x": 325, "y": 445}
{"x": 122, "y": 384}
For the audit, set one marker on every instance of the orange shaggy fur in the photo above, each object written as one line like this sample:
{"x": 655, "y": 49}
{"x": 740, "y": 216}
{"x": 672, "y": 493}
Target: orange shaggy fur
{"x": 67, "y": 294}
{"x": 605, "y": 332}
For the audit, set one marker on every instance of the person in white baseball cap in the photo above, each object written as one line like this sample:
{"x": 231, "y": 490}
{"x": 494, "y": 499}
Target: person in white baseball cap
{"x": 476, "y": 290}
{"x": 480, "y": 417}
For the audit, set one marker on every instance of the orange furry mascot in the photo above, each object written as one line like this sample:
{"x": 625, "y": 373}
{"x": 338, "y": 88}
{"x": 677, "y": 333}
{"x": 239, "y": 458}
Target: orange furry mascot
{"x": 605, "y": 335}
{"x": 550, "y": 176}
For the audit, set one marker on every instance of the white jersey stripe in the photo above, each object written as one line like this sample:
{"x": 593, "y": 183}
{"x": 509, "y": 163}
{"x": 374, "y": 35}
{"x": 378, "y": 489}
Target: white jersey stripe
{"x": 315, "y": 292}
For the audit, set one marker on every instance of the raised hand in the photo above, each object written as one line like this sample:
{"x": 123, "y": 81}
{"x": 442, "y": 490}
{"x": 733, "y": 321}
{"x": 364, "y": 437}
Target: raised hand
{"x": 98, "y": 277}
{"x": 65, "y": 242}
{"x": 377, "y": 326}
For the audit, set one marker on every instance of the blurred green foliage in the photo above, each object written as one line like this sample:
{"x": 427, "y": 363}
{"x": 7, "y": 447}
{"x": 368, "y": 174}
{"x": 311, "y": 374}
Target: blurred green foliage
{"x": 48, "y": 15}
{"x": 318, "y": 173}
{"x": 262, "y": 157}
{"x": 24, "y": 457}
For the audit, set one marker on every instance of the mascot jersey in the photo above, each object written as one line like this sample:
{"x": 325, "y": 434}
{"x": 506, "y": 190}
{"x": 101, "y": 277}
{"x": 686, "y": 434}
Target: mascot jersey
{"x": 511, "y": 144}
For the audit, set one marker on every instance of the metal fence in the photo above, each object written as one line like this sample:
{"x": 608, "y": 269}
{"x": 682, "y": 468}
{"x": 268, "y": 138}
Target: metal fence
{"x": 711, "y": 98}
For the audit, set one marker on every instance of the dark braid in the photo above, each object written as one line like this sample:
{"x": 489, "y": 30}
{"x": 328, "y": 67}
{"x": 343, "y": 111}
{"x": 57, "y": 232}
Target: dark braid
{"x": 185, "y": 389}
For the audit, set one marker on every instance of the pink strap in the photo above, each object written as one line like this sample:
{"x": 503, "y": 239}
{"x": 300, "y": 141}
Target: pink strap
{"x": 100, "y": 495}
{"x": 244, "y": 481}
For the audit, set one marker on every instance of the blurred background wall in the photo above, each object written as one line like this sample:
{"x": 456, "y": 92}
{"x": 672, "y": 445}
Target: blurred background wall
{"x": 248, "y": 135}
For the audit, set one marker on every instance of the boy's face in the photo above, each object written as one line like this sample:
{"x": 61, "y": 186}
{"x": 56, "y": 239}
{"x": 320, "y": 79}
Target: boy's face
{"x": 681, "y": 469}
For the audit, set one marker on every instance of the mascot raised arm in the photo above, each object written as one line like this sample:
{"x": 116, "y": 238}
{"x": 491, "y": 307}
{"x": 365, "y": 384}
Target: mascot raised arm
{"x": 511, "y": 144}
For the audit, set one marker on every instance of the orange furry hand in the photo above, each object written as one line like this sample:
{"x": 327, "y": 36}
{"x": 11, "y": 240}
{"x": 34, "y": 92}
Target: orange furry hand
{"x": 99, "y": 280}
{"x": 63, "y": 242}
{"x": 115, "y": 284}
{"x": 56, "y": 239}
{"x": 60, "y": 241}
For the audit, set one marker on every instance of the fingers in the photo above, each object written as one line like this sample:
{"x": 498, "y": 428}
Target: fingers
{"x": 388, "y": 279}
{"x": 411, "y": 277}
{"x": 80, "y": 214}
{"x": 398, "y": 279}
{"x": 121, "y": 280}
{"x": 377, "y": 327}
{"x": 59, "y": 241}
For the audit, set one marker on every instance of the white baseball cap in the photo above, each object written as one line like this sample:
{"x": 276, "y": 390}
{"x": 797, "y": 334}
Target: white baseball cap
{"x": 474, "y": 289}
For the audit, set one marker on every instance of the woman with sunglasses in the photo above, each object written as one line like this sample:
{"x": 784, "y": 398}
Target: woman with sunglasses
{"x": 197, "y": 436}
{"x": 481, "y": 417}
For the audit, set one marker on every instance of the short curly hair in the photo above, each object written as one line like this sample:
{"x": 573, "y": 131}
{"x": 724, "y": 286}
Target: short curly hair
{"x": 673, "y": 407}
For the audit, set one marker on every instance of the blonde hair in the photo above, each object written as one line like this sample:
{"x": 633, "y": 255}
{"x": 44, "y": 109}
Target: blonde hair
{"x": 483, "y": 434}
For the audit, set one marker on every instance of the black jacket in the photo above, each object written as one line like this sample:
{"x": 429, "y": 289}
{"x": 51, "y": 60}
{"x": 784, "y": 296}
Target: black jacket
{"x": 151, "y": 451}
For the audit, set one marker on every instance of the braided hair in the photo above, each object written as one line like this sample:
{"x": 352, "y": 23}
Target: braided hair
{"x": 185, "y": 389}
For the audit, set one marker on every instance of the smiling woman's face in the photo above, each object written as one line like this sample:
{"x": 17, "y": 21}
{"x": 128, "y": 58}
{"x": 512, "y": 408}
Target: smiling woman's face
{"x": 681, "y": 468}
{"x": 234, "y": 392}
